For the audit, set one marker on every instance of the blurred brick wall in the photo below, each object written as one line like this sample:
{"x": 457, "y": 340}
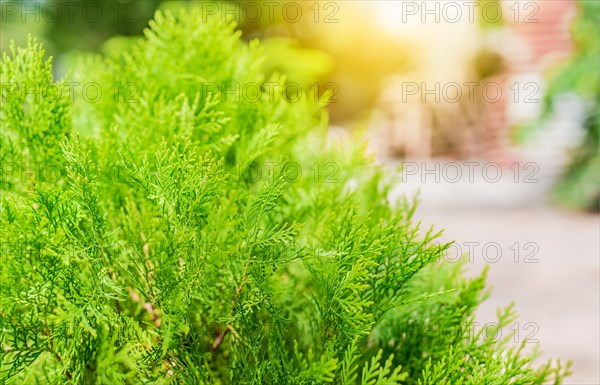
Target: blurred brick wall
{"x": 539, "y": 37}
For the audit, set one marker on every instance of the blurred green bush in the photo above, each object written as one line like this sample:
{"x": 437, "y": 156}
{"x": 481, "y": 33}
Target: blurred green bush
{"x": 579, "y": 186}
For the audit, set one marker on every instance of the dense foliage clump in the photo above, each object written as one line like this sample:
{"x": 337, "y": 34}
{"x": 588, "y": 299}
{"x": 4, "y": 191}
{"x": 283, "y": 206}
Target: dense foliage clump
{"x": 169, "y": 230}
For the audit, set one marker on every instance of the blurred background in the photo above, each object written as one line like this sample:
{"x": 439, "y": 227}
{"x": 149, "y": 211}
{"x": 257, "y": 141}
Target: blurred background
{"x": 492, "y": 108}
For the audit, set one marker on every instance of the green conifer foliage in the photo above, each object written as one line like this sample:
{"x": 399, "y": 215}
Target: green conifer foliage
{"x": 170, "y": 232}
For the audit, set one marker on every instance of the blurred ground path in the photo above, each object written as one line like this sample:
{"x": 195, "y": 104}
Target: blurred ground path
{"x": 557, "y": 291}
{"x": 544, "y": 258}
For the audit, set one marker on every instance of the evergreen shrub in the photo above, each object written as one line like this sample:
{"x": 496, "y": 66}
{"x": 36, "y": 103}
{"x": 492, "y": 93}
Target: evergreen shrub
{"x": 167, "y": 231}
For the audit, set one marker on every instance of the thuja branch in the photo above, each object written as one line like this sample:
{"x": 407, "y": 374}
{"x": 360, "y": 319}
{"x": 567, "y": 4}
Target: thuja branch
{"x": 188, "y": 152}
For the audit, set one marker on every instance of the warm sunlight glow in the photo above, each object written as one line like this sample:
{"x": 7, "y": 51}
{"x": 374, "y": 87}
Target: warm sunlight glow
{"x": 388, "y": 13}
